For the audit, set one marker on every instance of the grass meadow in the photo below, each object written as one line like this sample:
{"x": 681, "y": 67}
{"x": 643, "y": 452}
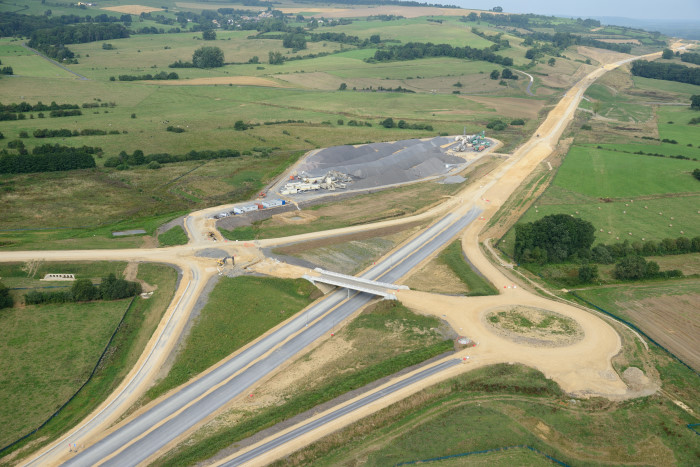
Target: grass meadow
{"x": 621, "y": 194}
{"x": 92, "y": 201}
{"x": 48, "y": 351}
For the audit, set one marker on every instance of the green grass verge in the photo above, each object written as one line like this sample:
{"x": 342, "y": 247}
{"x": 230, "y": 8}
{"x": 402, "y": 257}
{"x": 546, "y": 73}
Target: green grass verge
{"x": 380, "y": 318}
{"x": 140, "y": 322}
{"x": 172, "y": 237}
{"x": 239, "y": 310}
{"x": 452, "y": 257}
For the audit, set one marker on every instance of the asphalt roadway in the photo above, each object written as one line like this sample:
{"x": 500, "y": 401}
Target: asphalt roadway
{"x": 285, "y": 438}
{"x": 193, "y": 404}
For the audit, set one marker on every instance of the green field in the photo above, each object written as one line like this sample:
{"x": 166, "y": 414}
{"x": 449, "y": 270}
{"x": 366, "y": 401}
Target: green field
{"x": 140, "y": 112}
{"x": 618, "y": 175}
{"x": 49, "y": 350}
{"x": 625, "y": 197}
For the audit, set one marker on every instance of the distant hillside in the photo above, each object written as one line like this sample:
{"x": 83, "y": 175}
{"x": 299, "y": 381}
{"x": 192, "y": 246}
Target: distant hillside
{"x": 686, "y": 29}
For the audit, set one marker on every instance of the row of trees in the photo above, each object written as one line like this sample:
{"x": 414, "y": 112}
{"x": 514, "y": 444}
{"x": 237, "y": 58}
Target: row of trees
{"x": 417, "y": 50}
{"x": 402, "y": 124}
{"x": 139, "y": 158}
{"x": 48, "y": 158}
{"x": 38, "y": 107}
{"x": 66, "y": 133}
{"x": 83, "y": 290}
{"x": 158, "y": 76}
{"x": 608, "y": 254}
{"x": 666, "y": 71}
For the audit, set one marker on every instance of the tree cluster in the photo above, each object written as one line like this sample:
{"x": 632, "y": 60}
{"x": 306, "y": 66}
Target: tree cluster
{"x": 635, "y": 267}
{"x": 553, "y": 238}
{"x": 48, "y": 158}
{"x": 296, "y": 41}
{"x": 6, "y": 300}
{"x": 495, "y": 38}
{"x": 417, "y": 50}
{"x": 208, "y": 57}
{"x": 695, "y": 102}
{"x": 83, "y": 290}
{"x": 666, "y": 71}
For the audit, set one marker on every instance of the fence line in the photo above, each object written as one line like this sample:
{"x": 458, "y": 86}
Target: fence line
{"x": 94, "y": 369}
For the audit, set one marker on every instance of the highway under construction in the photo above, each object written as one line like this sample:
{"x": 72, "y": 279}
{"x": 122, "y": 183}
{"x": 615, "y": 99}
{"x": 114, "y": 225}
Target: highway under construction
{"x": 140, "y": 438}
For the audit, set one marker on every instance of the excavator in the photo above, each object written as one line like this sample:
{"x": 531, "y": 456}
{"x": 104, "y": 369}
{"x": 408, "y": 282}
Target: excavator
{"x": 222, "y": 261}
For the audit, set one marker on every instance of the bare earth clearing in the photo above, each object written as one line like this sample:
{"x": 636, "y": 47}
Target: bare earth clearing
{"x": 677, "y": 331}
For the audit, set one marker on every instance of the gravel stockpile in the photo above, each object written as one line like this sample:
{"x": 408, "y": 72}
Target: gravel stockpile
{"x": 379, "y": 164}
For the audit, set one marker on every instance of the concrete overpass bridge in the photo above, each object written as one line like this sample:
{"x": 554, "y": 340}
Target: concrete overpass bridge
{"x": 385, "y": 290}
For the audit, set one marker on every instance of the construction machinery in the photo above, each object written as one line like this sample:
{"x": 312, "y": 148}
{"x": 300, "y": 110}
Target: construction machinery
{"x": 222, "y": 261}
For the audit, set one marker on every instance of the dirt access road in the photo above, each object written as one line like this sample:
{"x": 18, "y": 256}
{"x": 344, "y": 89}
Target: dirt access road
{"x": 197, "y": 270}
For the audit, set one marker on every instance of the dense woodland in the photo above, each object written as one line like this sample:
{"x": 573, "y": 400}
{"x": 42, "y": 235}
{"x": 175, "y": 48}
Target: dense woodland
{"x": 416, "y": 50}
{"x": 47, "y": 158}
{"x": 666, "y": 71}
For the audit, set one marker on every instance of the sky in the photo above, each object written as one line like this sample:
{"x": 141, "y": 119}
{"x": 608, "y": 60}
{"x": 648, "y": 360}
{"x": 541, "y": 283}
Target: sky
{"x": 686, "y": 10}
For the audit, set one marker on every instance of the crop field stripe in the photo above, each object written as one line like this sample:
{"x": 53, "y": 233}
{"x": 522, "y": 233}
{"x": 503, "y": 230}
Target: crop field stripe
{"x": 486, "y": 451}
{"x": 617, "y": 318}
{"x": 92, "y": 373}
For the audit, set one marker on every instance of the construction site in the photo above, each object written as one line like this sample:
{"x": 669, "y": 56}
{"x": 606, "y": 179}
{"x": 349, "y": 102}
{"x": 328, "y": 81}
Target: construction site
{"x": 376, "y": 165}
{"x": 365, "y": 167}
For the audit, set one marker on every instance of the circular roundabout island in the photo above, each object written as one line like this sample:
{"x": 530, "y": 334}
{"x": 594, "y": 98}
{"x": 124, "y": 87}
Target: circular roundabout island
{"x": 533, "y": 326}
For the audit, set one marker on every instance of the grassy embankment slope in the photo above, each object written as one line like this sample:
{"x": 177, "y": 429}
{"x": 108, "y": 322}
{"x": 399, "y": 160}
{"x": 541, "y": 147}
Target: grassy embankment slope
{"x": 50, "y": 350}
{"x": 510, "y": 405}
